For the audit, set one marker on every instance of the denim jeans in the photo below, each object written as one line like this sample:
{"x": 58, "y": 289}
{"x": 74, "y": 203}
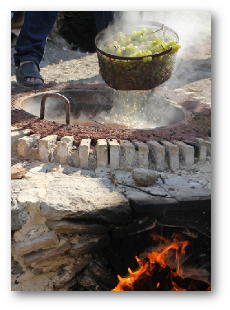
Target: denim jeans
{"x": 36, "y": 27}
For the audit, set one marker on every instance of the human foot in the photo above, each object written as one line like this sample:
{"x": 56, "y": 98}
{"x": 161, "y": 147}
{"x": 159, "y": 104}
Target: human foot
{"x": 31, "y": 79}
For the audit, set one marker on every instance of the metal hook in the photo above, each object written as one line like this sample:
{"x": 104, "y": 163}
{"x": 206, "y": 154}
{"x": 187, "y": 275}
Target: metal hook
{"x": 67, "y": 103}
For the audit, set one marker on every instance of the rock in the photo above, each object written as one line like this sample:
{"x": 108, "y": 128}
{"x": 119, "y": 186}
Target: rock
{"x": 144, "y": 177}
{"x": 44, "y": 241}
{"x": 73, "y": 227}
{"x": 36, "y": 257}
{"x": 18, "y": 215}
{"x": 82, "y": 245}
{"x": 70, "y": 272}
{"x": 17, "y": 172}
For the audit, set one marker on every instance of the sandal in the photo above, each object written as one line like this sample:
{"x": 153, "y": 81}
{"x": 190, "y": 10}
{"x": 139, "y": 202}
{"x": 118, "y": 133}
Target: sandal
{"x": 28, "y": 70}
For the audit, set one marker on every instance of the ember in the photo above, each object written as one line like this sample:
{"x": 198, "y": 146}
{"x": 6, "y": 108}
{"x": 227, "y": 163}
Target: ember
{"x": 162, "y": 270}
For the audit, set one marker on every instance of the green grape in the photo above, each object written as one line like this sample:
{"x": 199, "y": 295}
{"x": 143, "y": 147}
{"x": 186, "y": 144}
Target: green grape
{"x": 149, "y": 30}
{"x": 143, "y": 30}
{"x": 145, "y": 59}
{"x": 127, "y": 48}
{"x": 138, "y": 33}
{"x": 140, "y": 38}
{"x": 139, "y": 53}
{"x": 131, "y": 45}
{"x": 149, "y": 58}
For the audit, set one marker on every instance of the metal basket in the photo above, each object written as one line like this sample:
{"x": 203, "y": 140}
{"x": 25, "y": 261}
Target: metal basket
{"x": 131, "y": 73}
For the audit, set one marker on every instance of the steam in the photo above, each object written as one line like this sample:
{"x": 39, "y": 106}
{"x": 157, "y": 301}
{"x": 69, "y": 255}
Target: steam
{"x": 194, "y": 31}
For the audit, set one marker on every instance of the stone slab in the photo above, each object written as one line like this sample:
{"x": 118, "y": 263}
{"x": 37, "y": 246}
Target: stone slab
{"x": 73, "y": 227}
{"x": 144, "y": 203}
{"x": 135, "y": 228}
{"x": 42, "y": 255}
{"x": 44, "y": 241}
{"x": 183, "y": 187}
{"x": 84, "y": 199}
{"x": 85, "y": 245}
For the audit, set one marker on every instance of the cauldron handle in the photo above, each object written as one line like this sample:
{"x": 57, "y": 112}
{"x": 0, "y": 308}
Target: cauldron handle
{"x": 67, "y": 104}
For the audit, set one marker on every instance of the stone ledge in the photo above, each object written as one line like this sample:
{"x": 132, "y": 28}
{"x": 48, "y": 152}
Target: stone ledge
{"x": 40, "y": 256}
{"x": 88, "y": 244}
{"x": 46, "y": 240}
{"x": 72, "y": 227}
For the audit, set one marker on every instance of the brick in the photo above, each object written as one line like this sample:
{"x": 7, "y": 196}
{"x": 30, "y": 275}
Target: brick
{"x": 129, "y": 150}
{"x": 202, "y": 153}
{"x": 207, "y": 144}
{"x": 84, "y": 153}
{"x": 157, "y": 154}
{"x": 102, "y": 153}
{"x": 186, "y": 152}
{"x": 15, "y": 135}
{"x": 114, "y": 151}
{"x": 46, "y": 146}
{"x": 63, "y": 150}
{"x": 25, "y": 144}
{"x": 143, "y": 154}
{"x": 172, "y": 151}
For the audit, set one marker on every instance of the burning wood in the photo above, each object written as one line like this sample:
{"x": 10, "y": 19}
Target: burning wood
{"x": 162, "y": 270}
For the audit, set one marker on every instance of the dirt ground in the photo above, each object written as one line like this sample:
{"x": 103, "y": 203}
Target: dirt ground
{"x": 189, "y": 86}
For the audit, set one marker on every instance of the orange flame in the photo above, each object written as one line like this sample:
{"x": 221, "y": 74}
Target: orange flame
{"x": 159, "y": 272}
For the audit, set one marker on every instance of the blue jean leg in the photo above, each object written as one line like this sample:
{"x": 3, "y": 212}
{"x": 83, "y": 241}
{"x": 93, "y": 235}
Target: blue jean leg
{"x": 103, "y": 19}
{"x": 36, "y": 27}
{"x": 33, "y": 36}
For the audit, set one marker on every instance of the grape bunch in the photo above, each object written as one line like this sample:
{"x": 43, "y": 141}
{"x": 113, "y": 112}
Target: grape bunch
{"x": 143, "y": 43}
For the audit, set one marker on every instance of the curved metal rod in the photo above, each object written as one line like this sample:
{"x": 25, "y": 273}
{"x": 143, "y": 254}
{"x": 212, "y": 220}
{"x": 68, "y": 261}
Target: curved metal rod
{"x": 67, "y": 104}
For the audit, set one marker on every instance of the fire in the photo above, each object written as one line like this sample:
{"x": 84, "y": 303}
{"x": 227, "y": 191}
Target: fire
{"x": 161, "y": 270}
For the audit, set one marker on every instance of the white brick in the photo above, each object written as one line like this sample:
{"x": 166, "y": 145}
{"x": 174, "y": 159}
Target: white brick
{"x": 172, "y": 151}
{"x": 46, "y": 146}
{"x": 207, "y": 144}
{"x": 129, "y": 149}
{"x": 143, "y": 160}
{"x": 202, "y": 155}
{"x": 186, "y": 152}
{"x": 102, "y": 153}
{"x": 84, "y": 153}
{"x": 114, "y": 149}
{"x": 63, "y": 148}
{"x": 25, "y": 144}
{"x": 157, "y": 153}
{"x": 15, "y": 135}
